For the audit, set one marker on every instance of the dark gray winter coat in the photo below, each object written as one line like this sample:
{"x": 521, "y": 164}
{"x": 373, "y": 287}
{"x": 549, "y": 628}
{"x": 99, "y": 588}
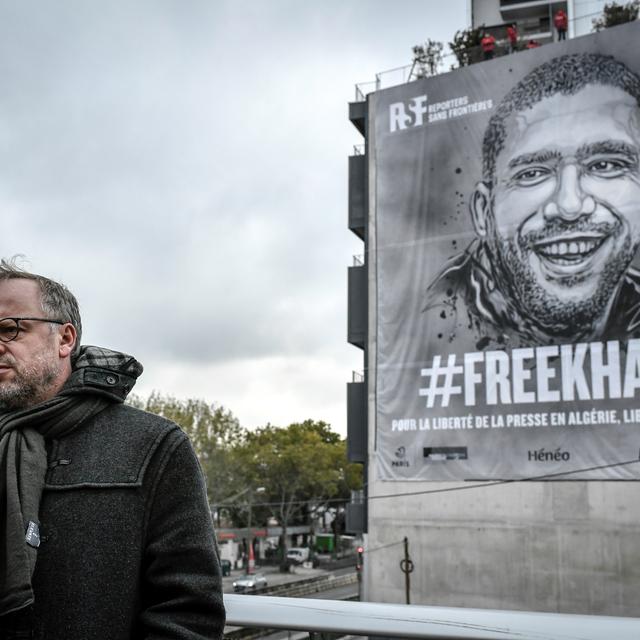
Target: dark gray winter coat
{"x": 128, "y": 549}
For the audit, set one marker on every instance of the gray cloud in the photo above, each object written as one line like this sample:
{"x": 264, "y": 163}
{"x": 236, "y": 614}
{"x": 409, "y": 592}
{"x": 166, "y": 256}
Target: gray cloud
{"x": 182, "y": 166}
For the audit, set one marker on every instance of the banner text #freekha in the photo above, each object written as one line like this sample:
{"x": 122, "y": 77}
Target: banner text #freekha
{"x": 554, "y": 373}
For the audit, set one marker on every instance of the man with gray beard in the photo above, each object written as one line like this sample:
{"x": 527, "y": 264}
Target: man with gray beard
{"x": 105, "y": 529}
{"x": 557, "y": 215}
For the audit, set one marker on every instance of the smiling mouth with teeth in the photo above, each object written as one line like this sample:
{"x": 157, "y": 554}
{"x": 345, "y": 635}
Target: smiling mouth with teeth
{"x": 569, "y": 250}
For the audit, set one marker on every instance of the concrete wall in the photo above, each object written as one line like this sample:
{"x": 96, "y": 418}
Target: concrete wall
{"x": 584, "y": 11}
{"x": 486, "y": 13}
{"x": 570, "y": 547}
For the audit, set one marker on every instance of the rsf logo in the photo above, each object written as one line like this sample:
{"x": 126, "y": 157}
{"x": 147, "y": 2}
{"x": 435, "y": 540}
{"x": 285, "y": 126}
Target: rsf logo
{"x": 409, "y": 114}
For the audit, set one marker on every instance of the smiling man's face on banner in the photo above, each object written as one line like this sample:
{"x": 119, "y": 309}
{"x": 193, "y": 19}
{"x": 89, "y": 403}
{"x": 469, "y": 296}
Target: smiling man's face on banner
{"x": 507, "y": 342}
{"x": 563, "y": 213}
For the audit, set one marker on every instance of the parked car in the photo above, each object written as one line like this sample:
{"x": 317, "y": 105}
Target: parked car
{"x": 254, "y": 582}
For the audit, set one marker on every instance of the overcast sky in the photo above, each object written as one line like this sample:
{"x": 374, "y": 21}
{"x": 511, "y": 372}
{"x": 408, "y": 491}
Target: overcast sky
{"x": 182, "y": 166}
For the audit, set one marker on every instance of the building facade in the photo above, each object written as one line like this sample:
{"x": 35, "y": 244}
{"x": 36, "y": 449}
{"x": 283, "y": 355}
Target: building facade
{"x": 556, "y": 544}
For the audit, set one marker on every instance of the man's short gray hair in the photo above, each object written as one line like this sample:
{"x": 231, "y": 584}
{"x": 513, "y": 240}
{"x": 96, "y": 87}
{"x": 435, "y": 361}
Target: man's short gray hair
{"x": 58, "y": 303}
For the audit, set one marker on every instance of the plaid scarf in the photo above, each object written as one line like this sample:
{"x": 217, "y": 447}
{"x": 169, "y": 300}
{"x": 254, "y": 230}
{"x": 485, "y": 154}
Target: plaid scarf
{"x": 23, "y": 459}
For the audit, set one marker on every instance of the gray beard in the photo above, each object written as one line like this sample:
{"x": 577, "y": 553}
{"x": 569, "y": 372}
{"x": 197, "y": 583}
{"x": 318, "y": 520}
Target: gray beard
{"x": 31, "y": 385}
{"x": 557, "y": 316}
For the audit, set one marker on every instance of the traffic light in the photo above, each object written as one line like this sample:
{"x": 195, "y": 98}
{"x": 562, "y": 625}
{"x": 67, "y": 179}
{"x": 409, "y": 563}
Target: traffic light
{"x": 359, "y": 560}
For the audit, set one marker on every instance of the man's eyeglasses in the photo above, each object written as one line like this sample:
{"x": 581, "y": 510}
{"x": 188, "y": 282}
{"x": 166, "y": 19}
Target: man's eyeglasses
{"x": 10, "y": 327}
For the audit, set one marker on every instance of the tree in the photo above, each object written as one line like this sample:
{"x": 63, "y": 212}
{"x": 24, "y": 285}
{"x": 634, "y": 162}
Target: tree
{"x": 214, "y": 433}
{"x": 427, "y": 58}
{"x": 300, "y": 466}
{"x": 466, "y": 45}
{"x": 614, "y": 14}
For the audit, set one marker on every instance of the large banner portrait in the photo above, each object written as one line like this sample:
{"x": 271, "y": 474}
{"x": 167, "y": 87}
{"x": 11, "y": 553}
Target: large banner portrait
{"x": 504, "y": 229}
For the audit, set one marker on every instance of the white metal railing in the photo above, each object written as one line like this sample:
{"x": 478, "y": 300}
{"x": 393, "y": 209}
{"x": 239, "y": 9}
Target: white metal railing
{"x": 363, "y": 88}
{"x": 406, "y": 73}
{"x": 411, "y": 621}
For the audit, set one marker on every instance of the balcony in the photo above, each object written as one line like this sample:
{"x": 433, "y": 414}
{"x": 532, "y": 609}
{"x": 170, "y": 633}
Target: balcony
{"x": 357, "y": 306}
{"x": 358, "y": 113}
{"x": 358, "y": 194}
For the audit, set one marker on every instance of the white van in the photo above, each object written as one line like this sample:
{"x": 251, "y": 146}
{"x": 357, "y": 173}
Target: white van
{"x": 298, "y": 555}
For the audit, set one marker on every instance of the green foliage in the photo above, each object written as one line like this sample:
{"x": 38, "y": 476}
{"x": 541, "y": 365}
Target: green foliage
{"x": 427, "y": 58}
{"x": 208, "y": 426}
{"x": 466, "y": 45}
{"x": 299, "y": 466}
{"x": 614, "y": 14}
{"x": 213, "y": 431}
{"x": 273, "y": 471}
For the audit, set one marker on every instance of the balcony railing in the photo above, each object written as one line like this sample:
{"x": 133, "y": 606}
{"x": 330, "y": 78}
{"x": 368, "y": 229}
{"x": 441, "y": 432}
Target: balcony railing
{"x": 411, "y": 621}
{"x": 536, "y": 30}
